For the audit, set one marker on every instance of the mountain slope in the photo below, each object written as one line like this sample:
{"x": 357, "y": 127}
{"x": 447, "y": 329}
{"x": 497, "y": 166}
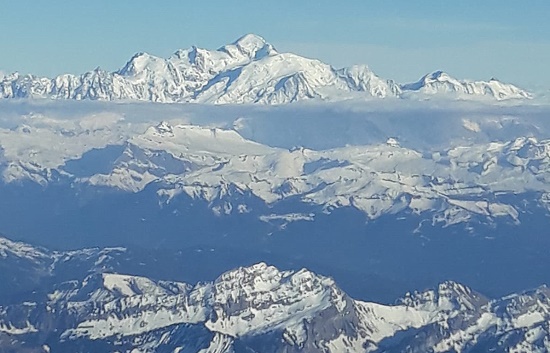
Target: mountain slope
{"x": 250, "y": 70}
{"x": 261, "y": 308}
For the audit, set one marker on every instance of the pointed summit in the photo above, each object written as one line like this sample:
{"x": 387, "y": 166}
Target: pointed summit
{"x": 250, "y": 39}
{"x": 428, "y": 79}
{"x": 448, "y": 295}
{"x": 139, "y": 62}
{"x": 251, "y": 45}
{"x": 437, "y": 76}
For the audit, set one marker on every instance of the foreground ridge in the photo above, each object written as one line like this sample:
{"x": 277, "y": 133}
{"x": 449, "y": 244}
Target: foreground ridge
{"x": 257, "y": 308}
{"x": 249, "y": 70}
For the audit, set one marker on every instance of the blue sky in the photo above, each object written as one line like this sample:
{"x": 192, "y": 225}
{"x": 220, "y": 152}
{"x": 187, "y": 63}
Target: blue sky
{"x": 402, "y": 40}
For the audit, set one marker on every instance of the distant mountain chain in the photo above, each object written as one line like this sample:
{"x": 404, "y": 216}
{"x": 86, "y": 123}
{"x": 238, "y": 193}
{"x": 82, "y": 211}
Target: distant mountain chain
{"x": 230, "y": 174}
{"x": 249, "y": 70}
{"x": 80, "y": 303}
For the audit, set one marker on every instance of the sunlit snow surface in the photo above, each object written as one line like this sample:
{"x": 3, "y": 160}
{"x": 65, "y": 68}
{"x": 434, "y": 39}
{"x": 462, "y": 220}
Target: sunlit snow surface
{"x": 261, "y": 306}
{"x": 249, "y": 70}
{"x": 380, "y": 159}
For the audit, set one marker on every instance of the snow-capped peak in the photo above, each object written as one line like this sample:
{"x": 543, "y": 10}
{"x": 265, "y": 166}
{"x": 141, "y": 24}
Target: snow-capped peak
{"x": 437, "y": 76}
{"x": 361, "y": 78}
{"x": 249, "y": 70}
{"x": 251, "y": 45}
{"x": 428, "y": 79}
{"x": 441, "y": 83}
{"x": 140, "y": 62}
{"x": 260, "y": 298}
{"x": 447, "y": 296}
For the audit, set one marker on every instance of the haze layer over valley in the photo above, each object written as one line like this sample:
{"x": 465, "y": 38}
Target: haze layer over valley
{"x": 366, "y": 180}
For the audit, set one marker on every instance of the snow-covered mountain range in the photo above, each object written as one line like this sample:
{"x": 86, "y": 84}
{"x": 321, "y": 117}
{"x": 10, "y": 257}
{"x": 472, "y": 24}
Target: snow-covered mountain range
{"x": 284, "y": 184}
{"x": 391, "y": 195}
{"x": 230, "y": 174}
{"x": 250, "y": 70}
{"x": 253, "y": 308}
